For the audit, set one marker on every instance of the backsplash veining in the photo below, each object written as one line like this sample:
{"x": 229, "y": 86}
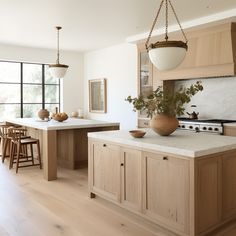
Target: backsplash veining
{"x": 217, "y": 100}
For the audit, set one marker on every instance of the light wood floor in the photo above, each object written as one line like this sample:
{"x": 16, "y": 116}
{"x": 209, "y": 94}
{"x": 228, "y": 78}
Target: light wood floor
{"x": 31, "y": 206}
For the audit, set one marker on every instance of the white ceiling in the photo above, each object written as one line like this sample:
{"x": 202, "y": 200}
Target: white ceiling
{"x": 90, "y": 24}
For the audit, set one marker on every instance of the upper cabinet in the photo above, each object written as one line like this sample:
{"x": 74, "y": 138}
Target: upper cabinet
{"x": 211, "y": 53}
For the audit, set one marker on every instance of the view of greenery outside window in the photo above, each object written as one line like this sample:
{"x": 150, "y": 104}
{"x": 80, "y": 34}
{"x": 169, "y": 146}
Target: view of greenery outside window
{"x": 25, "y": 88}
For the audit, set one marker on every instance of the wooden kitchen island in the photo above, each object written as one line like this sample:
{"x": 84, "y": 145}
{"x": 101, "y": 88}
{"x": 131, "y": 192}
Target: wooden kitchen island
{"x": 185, "y": 182}
{"x": 64, "y": 143}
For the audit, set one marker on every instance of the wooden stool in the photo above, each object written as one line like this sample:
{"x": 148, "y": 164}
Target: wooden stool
{"x": 19, "y": 149}
{"x": 4, "y": 141}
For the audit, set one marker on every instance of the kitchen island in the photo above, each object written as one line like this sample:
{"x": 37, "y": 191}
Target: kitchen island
{"x": 185, "y": 182}
{"x": 64, "y": 142}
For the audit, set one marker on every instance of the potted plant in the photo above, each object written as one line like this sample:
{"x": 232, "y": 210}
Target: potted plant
{"x": 162, "y": 106}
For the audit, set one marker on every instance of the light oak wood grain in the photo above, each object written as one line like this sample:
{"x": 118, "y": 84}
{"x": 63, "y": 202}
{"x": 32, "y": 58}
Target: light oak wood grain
{"x": 31, "y": 206}
{"x": 210, "y": 54}
{"x": 131, "y": 179}
{"x": 193, "y": 197}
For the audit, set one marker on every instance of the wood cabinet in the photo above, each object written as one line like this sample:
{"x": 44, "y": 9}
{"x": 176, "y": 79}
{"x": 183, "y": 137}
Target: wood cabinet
{"x": 154, "y": 185}
{"x": 105, "y": 170}
{"x": 189, "y": 196}
{"x": 230, "y": 130}
{"x": 131, "y": 179}
{"x": 211, "y": 53}
{"x": 229, "y": 185}
{"x": 208, "y": 192}
{"x": 147, "y": 81}
{"x": 166, "y": 190}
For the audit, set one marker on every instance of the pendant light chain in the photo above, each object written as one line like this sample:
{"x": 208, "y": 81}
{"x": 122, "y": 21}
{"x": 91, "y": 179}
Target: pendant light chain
{"x": 177, "y": 19}
{"x": 153, "y": 25}
{"x": 58, "y": 45}
{"x": 58, "y": 70}
{"x": 167, "y": 23}
{"x": 166, "y": 37}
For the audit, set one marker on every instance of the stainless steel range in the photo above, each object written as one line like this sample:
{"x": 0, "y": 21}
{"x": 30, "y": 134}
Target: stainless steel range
{"x": 215, "y": 126}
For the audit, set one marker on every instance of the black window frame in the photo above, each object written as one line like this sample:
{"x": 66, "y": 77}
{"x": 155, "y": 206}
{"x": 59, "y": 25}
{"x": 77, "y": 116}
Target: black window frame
{"x": 21, "y": 83}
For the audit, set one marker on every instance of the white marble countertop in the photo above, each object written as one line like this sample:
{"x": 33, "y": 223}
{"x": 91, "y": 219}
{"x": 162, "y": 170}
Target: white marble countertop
{"x": 184, "y": 143}
{"x": 70, "y": 123}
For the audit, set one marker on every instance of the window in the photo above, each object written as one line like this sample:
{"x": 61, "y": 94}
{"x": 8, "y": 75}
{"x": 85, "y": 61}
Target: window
{"x": 25, "y": 88}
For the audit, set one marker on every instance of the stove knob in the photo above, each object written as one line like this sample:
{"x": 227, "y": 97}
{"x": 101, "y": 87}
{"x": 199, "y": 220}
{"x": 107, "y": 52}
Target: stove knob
{"x": 216, "y": 129}
{"x": 179, "y": 126}
{"x": 209, "y": 128}
{"x": 183, "y": 126}
{"x": 204, "y": 128}
{"x": 190, "y": 127}
{"x": 196, "y": 128}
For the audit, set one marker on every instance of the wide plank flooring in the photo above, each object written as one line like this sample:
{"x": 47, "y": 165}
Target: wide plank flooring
{"x": 31, "y": 206}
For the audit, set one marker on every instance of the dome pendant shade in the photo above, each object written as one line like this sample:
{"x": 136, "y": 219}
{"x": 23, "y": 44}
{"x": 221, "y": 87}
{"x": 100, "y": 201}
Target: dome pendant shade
{"x": 167, "y": 55}
{"x": 58, "y": 70}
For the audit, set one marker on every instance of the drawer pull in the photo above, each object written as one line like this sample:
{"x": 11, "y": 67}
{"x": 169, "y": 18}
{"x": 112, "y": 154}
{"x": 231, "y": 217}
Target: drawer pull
{"x": 104, "y": 145}
{"x": 165, "y": 158}
{"x": 122, "y": 164}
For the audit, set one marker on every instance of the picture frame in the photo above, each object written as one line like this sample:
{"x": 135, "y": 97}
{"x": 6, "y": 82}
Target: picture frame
{"x": 98, "y": 95}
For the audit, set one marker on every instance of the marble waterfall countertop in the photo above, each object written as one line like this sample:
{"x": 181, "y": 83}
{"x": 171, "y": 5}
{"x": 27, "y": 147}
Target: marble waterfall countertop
{"x": 185, "y": 143}
{"x": 70, "y": 123}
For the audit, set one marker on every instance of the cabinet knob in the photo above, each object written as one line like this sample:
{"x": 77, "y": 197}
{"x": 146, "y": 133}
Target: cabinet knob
{"x": 104, "y": 145}
{"x": 165, "y": 158}
{"x": 122, "y": 164}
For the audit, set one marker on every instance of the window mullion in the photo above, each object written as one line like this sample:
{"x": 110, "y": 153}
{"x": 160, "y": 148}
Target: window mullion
{"x": 21, "y": 90}
{"x": 43, "y": 86}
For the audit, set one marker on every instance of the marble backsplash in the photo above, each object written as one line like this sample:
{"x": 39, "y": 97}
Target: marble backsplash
{"x": 217, "y": 100}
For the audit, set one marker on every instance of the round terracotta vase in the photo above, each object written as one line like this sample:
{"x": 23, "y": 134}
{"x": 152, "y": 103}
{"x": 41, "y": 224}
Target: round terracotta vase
{"x": 164, "y": 124}
{"x": 43, "y": 113}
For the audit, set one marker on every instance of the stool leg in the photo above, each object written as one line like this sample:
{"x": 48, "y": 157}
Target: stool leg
{"x": 18, "y": 156}
{"x": 11, "y": 154}
{"x": 39, "y": 156}
{"x": 4, "y": 149}
{"x": 32, "y": 153}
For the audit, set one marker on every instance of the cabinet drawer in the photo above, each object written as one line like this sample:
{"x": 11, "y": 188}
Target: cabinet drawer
{"x": 143, "y": 123}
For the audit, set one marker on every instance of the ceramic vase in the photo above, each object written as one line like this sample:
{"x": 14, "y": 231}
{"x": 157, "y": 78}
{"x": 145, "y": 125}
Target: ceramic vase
{"x": 43, "y": 114}
{"x": 164, "y": 124}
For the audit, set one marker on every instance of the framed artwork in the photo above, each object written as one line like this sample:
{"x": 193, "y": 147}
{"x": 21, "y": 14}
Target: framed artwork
{"x": 97, "y": 96}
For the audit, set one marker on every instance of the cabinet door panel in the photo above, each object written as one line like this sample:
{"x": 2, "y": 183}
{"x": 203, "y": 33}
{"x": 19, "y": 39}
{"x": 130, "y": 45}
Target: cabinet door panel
{"x": 167, "y": 190}
{"x": 208, "y": 189}
{"x": 131, "y": 178}
{"x": 106, "y": 170}
{"x": 229, "y": 185}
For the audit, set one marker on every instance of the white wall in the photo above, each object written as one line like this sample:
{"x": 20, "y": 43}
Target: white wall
{"x": 118, "y": 64}
{"x": 217, "y": 100}
{"x": 72, "y": 84}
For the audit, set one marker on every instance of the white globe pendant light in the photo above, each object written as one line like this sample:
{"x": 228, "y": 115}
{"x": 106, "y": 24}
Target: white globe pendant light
{"x": 58, "y": 70}
{"x": 166, "y": 55}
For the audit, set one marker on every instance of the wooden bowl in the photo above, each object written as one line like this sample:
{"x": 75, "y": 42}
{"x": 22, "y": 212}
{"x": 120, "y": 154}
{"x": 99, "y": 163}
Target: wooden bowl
{"x": 137, "y": 133}
{"x": 60, "y": 118}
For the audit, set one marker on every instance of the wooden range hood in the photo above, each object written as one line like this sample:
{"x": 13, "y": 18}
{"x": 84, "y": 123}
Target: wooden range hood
{"x": 211, "y": 53}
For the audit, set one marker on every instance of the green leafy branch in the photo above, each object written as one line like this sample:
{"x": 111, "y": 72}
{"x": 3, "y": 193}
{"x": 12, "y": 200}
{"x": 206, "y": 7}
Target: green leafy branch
{"x": 170, "y": 103}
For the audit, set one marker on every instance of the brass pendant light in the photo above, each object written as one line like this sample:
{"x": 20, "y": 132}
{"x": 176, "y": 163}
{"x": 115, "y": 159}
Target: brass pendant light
{"x": 166, "y": 55}
{"x": 58, "y": 70}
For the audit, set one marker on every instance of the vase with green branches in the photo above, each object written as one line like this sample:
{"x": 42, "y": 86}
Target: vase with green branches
{"x": 162, "y": 106}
